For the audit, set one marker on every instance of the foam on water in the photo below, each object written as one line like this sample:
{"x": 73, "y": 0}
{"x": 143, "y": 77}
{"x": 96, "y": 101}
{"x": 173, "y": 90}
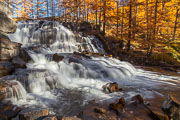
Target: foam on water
{"x": 48, "y": 82}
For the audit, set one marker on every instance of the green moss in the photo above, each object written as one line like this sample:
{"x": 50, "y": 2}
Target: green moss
{"x": 164, "y": 57}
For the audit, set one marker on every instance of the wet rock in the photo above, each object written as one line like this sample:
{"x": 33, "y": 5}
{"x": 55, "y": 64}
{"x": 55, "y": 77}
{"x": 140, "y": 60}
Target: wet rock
{"x": 98, "y": 113}
{"x": 5, "y": 68}
{"x": 49, "y": 117}
{"x": 137, "y": 99}
{"x": 57, "y": 57}
{"x": 78, "y": 55}
{"x": 7, "y": 25}
{"x": 74, "y": 60}
{"x": 18, "y": 62}
{"x": 111, "y": 87}
{"x": 100, "y": 110}
{"x": 118, "y": 107}
{"x": 8, "y": 49}
{"x": 172, "y": 108}
{"x": 122, "y": 101}
{"x": 3, "y": 117}
{"x": 84, "y": 52}
{"x": 71, "y": 118}
{"x": 33, "y": 113}
{"x": 8, "y": 111}
{"x": 9, "y": 89}
{"x": 35, "y": 49}
{"x": 159, "y": 116}
{"x": 11, "y": 113}
{"x": 24, "y": 55}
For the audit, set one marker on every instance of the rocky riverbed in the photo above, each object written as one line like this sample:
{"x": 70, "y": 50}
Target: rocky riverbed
{"x": 47, "y": 72}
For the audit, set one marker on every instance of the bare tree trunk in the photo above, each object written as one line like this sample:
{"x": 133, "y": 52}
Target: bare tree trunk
{"x": 32, "y": 12}
{"x": 77, "y": 19}
{"x": 59, "y": 9}
{"x": 87, "y": 14}
{"x": 96, "y": 14}
{"x": 168, "y": 31}
{"x": 117, "y": 26}
{"x": 175, "y": 25}
{"x": 122, "y": 24}
{"x": 52, "y": 15}
{"x": 17, "y": 8}
{"x": 47, "y": 5}
{"x": 130, "y": 22}
{"x": 104, "y": 17}
{"x": 100, "y": 20}
{"x": 37, "y": 8}
{"x": 65, "y": 15}
{"x": 134, "y": 20}
{"x": 84, "y": 13}
{"x": 154, "y": 31}
{"x": 147, "y": 27}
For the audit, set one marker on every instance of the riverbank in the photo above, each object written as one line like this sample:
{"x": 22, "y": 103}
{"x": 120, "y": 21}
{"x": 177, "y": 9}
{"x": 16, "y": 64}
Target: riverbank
{"x": 163, "y": 63}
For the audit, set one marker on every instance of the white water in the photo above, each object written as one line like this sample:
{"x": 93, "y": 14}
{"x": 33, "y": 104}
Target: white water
{"x": 49, "y": 83}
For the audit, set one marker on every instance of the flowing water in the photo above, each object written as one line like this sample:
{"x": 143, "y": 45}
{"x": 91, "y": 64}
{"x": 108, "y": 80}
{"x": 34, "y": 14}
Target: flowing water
{"x": 68, "y": 85}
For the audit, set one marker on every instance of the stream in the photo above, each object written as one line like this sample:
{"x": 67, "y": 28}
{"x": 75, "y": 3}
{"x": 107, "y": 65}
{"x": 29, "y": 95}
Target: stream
{"x": 68, "y": 85}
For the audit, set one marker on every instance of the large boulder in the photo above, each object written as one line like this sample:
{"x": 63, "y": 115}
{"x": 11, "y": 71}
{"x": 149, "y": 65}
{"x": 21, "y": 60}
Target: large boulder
{"x": 5, "y": 68}
{"x": 8, "y": 49}
{"x": 18, "y": 62}
{"x": 8, "y": 111}
{"x": 7, "y": 24}
{"x": 172, "y": 108}
{"x": 33, "y": 113}
{"x": 10, "y": 89}
{"x": 57, "y": 57}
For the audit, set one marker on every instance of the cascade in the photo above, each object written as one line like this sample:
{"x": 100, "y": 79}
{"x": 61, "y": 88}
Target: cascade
{"x": 45, "y": 80}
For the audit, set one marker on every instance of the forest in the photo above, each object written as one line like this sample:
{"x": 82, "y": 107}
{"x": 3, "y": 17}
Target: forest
{"x": 149, "y": 26}
{"x": 89, "y": 59}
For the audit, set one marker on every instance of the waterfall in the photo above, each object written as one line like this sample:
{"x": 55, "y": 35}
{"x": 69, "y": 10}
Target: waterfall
{"x": 42, "y": 39}
{"x": 56, "y": 36}
{"x": 74, "y": 78}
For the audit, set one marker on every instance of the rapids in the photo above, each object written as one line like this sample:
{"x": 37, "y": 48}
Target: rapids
{"x": 66, "y": 86}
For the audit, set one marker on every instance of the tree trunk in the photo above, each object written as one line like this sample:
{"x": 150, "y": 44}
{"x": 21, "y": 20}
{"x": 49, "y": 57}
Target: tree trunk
{"x": 130, "y": 22}
{"x": 100, "y": 20}
{"x": 175, "y": 25}
{"x": 32, "y": 12}
{"x": 104, "y": 17}
{"x": 87, "y": 14}
{"x": 17, "y": 8}
{"x": 84, "y": 14}
{"x": 59, "y": 9}
{"x": 65, "y": 15}
{"x": 96, "y": 14}
{"x": 37, "y": 8}
{"x": 52, "y": 15}
{"x": 147, "y": 27}
{"x": 122, "y": 24}
{"x": 134, "y": 20}
{"x": 154, "y": 31}
{"x": 117, "y": 26}
{"x": 47, "y": 5}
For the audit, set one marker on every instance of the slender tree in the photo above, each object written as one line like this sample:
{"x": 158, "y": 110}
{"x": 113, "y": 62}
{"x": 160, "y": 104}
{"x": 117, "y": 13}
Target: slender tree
{"x": 175, "y": 24}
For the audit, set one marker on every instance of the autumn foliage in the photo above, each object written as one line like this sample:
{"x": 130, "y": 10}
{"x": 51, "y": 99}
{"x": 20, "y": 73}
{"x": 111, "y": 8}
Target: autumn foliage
{"x": 149, "y": 25}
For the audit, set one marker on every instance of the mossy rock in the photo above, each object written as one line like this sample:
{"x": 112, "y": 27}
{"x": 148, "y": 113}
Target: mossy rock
{"x": 163, "y": 57}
